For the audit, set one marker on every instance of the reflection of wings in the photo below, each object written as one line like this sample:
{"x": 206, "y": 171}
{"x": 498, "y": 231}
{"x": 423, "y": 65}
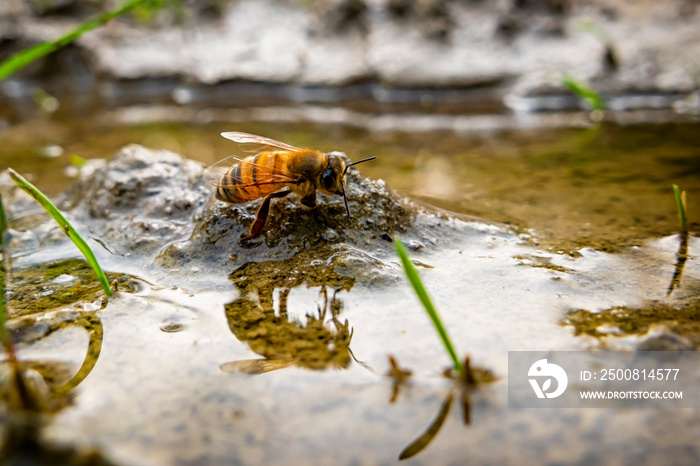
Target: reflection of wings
{"x": 264, "y": 175}
{"x": 257, "y": 143}
{"x": 255, "y": 366}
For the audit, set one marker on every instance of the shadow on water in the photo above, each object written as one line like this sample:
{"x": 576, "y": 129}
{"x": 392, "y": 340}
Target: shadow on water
{"x": 314, "y": 344}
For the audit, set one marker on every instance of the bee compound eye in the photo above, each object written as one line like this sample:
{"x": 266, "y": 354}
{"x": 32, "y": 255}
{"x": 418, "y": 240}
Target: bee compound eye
{"x": 328, "y": 180}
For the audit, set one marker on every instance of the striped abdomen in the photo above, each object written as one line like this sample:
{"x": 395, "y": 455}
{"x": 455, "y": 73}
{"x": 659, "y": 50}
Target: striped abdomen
{"x": 255, "y": 177}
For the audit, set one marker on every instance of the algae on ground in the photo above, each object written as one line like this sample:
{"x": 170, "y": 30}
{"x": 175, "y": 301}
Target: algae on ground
{"x": 47, "y": 286}
{"x": 682, "y": 319}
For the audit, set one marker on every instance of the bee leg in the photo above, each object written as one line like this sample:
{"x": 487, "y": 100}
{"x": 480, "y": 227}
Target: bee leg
{"x": 261, "y": 217}
{"x": 309, "y": 200}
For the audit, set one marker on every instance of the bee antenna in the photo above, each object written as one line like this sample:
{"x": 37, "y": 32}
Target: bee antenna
{"x": 355, "y": 163}
{"x": 345, "y": 198}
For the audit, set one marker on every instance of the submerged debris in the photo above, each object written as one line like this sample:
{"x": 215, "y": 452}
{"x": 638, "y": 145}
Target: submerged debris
{"x": 399, "y": 377}
{"x": 51, "y": 285}
{"x": 680, "y": 319}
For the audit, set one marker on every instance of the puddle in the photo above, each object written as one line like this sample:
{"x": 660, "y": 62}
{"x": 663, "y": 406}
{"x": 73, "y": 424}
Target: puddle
{"x": 278, "y": 353}
{"x": 184, "y": 397}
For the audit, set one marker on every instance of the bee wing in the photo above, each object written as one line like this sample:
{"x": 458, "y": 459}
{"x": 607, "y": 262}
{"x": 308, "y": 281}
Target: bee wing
{"x": 214, "y": 175}
{"x": 254, "y": 143}
{"x": 255, "y": 366}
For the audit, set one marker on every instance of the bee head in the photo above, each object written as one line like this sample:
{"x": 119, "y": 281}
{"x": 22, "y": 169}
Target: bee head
{"x": 333, "y": 177}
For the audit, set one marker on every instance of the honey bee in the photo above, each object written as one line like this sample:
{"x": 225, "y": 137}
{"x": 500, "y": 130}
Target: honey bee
{"x": 277, "y": 170}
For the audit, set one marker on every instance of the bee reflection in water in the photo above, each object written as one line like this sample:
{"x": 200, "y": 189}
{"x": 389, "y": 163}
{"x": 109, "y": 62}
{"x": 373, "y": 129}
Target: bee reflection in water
{"x": 283, "y": 342}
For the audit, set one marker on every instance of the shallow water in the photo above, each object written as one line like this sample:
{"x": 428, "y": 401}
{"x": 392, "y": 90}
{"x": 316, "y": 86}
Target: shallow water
{"x": 594, "y": 223}
{"x": 604, "y": 186}
{"x": 161, "y": 397}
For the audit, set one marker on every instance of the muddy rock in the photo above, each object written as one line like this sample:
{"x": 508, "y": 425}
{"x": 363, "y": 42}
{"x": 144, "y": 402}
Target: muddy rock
{"x": 155, "y": 207}
{"x": 140, "y": 200}
{"x": 317, "y": 247}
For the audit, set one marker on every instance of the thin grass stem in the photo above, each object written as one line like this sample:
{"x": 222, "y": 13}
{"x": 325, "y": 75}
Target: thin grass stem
{"x": 65, "y": 226}
{"x": 680, "y": 201}
{"x": 417, "y": 284}
{"x": 582, "y": 90}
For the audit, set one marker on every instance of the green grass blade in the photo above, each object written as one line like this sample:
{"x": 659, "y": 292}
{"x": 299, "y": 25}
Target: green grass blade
{"x": 65, "y": 226}
{"x": 583, "y": 91}
{"x": 25, "y": 57}
{"x": 680, "y": 201}
{"x": 3, "y": 222}
{"x": 77, "y": 161}
{"x": 417, "y": 284}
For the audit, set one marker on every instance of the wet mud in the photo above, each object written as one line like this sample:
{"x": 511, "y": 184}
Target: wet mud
{"x": 68, "y": 283}
{"x": 681, "y": 321}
